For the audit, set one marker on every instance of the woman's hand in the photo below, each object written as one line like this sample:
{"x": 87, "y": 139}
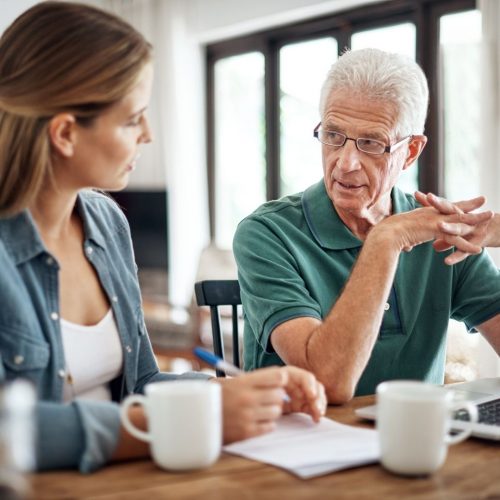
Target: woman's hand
{"x": 253, "y": 402}
{"x": 306, "y": 393}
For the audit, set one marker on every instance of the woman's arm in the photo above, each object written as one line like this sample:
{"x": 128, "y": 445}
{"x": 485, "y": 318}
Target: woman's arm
{"x": 80, "y": 435}
{"x": 251, "y": 404}
{"x": 128, "y": 446}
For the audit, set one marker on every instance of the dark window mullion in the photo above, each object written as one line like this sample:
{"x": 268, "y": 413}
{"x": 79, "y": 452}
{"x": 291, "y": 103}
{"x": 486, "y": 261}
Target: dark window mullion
{"x": 430, "y": 176}
{"x": 210, "y": 145}
{"x": 272, "y": 121}
{"x": 343, "y": 40}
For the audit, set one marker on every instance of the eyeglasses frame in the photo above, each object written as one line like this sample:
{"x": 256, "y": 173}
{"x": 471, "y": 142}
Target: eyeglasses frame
{"x": 388, "y": 149}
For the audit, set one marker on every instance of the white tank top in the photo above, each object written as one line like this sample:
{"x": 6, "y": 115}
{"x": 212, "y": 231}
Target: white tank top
{"x": 93, "y": 357}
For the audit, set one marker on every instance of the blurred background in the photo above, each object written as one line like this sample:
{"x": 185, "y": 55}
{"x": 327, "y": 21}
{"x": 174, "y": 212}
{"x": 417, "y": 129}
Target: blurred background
{"x": 234, "y": 104}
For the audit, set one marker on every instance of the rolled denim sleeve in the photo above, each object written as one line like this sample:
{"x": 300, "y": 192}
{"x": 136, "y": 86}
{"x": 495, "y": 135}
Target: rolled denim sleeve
{"x": 80, "y": 435}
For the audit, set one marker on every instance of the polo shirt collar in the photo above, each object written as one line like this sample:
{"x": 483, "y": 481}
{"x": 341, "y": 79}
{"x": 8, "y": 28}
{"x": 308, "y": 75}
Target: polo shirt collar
{"x": 326, "y": 225}
{"x": 22, "y": 240}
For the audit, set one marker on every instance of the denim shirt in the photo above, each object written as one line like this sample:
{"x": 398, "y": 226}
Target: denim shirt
{"x": 83, "y": 433}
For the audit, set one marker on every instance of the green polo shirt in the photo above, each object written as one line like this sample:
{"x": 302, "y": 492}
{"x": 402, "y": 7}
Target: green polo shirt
{"x": 294, "y": 256}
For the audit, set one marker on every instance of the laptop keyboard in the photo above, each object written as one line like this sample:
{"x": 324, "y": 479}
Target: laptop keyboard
{"x": 489, "y": 413}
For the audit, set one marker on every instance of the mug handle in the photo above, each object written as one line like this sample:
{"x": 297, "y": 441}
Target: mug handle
{"x": 129, "y": 401}
{"x": 473, "y": 417}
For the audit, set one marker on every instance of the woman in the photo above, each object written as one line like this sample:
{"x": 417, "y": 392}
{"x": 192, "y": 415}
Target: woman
{"x": 75, "y": 83}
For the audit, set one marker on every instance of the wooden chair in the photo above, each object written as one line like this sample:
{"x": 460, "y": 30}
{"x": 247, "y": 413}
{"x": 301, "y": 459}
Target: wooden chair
{"x": 215, "y": 293}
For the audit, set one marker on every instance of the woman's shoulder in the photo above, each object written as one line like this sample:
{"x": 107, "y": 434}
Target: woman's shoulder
{"x": 101, "y": 207}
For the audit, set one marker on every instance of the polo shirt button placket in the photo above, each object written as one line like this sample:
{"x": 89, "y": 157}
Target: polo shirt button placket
{"x": 387, "y": 306}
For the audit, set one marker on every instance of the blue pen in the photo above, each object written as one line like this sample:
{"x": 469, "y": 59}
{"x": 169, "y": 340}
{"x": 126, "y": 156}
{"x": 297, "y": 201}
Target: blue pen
{"x": 222, "y": 365}
{"x": 217, "y": 362}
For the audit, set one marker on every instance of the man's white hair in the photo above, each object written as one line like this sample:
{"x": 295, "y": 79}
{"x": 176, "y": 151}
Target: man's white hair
{"x": 383, "y": 76}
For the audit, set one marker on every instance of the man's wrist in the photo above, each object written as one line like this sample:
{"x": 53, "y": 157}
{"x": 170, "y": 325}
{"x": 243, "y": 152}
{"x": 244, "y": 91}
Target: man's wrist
{"x": 384, "y": 239}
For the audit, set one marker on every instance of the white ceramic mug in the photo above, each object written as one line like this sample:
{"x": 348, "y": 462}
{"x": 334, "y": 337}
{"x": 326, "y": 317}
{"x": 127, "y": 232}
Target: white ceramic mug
{"x": 184, "y": 421}
{"x": 413, "y": 422}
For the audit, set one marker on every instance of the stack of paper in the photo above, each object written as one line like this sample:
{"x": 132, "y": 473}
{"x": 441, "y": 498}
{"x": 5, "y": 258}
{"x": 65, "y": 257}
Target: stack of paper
{"x": 308, "y": 449}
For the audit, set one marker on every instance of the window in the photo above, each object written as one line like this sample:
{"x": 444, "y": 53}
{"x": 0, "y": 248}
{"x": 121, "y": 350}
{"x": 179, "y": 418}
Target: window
{"x": 240, "y": 176}
{"x": 383, "y": 39}
{"x": 459, "y": 44}
{"x": 303, "y": 67}
{"x": 262, "y": 110}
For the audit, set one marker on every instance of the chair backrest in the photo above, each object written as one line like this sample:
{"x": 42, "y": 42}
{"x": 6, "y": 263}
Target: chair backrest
{"x": 215, "y": 293}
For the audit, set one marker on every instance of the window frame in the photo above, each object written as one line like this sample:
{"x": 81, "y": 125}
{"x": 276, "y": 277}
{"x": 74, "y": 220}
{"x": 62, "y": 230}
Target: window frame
{"x": 425, "y": 14}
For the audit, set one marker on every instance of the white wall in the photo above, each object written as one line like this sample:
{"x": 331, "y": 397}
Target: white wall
{"x": 216, "y": 20}
{"x": 9, "y": 10}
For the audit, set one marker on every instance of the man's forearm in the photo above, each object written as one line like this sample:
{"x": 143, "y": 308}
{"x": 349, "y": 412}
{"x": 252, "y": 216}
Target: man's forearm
{"x": 339, "y": 349}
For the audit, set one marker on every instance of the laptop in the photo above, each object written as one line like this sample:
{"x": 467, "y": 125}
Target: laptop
{"x": 485, "y": 393}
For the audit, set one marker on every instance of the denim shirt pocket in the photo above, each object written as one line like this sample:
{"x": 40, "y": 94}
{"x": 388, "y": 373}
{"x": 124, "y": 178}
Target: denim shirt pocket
{"x": 22, "y": 356}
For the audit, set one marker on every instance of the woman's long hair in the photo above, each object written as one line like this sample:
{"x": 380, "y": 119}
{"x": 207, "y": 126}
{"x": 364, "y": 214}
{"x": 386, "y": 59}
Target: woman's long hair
{"x": 57, "y": 57}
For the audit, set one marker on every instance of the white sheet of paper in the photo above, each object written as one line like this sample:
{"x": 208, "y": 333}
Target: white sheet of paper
{"x": 307, "y": 449}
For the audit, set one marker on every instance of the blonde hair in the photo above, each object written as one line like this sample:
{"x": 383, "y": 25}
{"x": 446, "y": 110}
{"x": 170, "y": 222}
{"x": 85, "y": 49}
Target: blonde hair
{"x": 57, "y": 57}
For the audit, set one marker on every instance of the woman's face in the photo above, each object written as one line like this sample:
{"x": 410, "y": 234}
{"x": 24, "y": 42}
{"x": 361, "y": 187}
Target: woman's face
{"x": 105, "y": 153}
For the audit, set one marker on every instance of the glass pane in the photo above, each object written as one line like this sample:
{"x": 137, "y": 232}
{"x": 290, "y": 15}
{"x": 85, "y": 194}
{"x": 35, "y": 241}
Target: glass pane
{"x": 240, "y": 168}
{"x": 460, "y": 38}
{"x": 399, "y": 38}
{"x": 303, "y": 67}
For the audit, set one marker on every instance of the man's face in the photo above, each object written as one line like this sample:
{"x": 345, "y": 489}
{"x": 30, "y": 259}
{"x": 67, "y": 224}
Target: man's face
{"x": 359, "y": 184}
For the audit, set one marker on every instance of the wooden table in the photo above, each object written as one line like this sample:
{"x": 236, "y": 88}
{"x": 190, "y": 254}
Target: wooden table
{"x": 471, "y": 471}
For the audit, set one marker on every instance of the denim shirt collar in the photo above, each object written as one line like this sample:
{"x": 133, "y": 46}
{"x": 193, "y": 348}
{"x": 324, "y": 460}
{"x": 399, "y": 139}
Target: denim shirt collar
{"x": 328, "y": 228}
{"x": 20, "y": 237}
{"x": 22, "y": 240}
{"x": 91, "y": 230}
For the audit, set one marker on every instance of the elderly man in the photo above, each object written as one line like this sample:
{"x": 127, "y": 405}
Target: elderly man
{"x": 343, "y": 279}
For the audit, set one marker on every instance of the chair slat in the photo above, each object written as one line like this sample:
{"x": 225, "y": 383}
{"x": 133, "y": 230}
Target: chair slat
{"x": 215, "y": 293}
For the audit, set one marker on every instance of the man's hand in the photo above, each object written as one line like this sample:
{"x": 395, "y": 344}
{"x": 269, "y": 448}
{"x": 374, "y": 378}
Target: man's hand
{"x": 403, "y": 231}
{"x": 466, "y": 229}
{"x": 253, "y": 402}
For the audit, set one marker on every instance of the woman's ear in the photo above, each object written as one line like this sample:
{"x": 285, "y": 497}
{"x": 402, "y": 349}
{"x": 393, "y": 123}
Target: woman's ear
{"x": 415, "y": 147}
{"x": 62, "y": 132}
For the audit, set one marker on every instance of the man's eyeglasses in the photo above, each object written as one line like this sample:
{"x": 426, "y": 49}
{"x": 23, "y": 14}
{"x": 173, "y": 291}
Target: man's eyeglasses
{"x": 369, "y": 146}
